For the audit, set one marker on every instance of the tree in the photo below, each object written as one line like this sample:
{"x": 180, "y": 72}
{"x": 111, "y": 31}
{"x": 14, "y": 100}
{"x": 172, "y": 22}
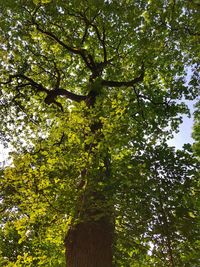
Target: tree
{"x": 88, "y": 91}
{"x": 196, "y": 129}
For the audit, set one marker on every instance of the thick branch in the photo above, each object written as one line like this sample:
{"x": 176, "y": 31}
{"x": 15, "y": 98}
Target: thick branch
{"x": 124, "y": 83}
{"x": 51, "y": 95}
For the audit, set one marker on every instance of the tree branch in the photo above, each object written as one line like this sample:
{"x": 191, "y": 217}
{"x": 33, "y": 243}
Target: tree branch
{"x": 73, "y": 50}
{"x": 51, "y": 94}
{"x": 34, "y": 84}
{"x": 96, "y": 29}
{"x": 124, "y": 83}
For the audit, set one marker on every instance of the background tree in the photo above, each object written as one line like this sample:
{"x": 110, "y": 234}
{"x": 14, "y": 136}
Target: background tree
{"x": 196, "y": 130}
{"x": 88, "y": 91}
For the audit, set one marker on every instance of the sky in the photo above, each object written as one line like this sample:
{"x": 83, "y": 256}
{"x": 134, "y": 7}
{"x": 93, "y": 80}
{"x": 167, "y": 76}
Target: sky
{"x": 185, "y": 134}
{"x": 3, "y": 154}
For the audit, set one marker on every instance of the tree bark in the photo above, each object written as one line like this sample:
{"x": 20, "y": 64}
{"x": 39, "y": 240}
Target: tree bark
{"x": 89, "y": 244}
{"x": 89, "y": 240}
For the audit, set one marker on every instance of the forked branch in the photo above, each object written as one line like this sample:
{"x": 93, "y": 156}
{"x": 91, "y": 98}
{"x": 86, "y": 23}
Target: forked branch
{"x": 51, "y": 94}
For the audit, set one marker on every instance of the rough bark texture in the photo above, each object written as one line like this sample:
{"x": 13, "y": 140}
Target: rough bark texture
{"x": 89, "y": 244}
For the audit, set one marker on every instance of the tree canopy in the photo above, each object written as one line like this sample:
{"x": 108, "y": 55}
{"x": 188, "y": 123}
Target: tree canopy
{"x": 90, "y": 92}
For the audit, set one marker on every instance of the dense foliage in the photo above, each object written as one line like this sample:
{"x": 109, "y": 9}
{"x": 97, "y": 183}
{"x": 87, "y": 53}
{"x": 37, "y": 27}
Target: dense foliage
{"x": 90, "y": 93}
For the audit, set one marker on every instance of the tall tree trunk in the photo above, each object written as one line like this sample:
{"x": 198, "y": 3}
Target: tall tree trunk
{"x": 89, "y": 244}
{"x": 89, "y": 241}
